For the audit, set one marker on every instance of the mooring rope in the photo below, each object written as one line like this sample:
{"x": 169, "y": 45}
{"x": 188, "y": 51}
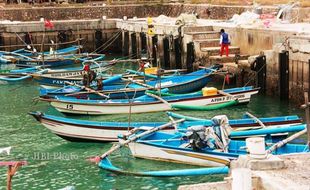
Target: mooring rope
{"x": 108, "y": 42}
{"x": 255, "y": 73}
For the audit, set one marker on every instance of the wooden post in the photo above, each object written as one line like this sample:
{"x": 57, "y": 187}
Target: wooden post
{"x": 12, "y": 169}
{"x": 309, "y": 77}
{"x": 284, "y": 75}
{"x": 306, "y": 106}
{"x": 42, "y": 45}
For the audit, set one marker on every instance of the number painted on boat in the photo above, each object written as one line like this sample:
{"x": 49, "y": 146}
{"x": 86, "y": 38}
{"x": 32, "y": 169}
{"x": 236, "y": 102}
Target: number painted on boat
{"x": 69, "y": 106}
{"x": 220, "y": 99}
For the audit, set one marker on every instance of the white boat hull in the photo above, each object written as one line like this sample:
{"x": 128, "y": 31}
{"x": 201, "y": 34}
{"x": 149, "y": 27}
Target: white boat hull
{"x": 111, "y": 108}
{"x": 179, "y": 156}
{"x": 80, "y": 133}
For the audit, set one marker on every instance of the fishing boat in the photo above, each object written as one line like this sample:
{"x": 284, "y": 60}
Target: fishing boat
{"x": 149, "y": 103}
{"x": 84, "y": 130}
{"x": 202, "y": 146}
{"x": 185, "y": 149}
{"x": 25, "y": 55}
{"x": 54, "y": 80}
{"x": 68, "y": 50}
{"x": 57, "y": 60}
{"x": 41, "y": 72}
{"x": 20, "y": 76}
{"x": 176, "y": 84}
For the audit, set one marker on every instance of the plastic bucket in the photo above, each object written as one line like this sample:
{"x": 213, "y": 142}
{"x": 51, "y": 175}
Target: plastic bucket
{"x": 256, "y": 147}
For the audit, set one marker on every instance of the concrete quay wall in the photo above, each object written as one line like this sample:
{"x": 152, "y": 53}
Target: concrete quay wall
{"x": 94, "y": 33}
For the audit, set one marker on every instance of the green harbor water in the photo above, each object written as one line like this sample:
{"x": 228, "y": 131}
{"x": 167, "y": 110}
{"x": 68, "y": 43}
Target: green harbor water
{"x": 54, "y": 163}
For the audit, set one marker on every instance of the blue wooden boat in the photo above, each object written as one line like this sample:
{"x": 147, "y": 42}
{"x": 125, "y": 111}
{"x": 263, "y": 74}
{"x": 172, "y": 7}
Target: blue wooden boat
{"x": 17, "y": 76}
{"x": 177, "y": 84}
{"x": 68, "y": 50}
{"x": 147, "y": 103}
{"x": 55, "y": 80}
{"x": 25, "y": 55}
{"x": 84, "y": 130}
{"x": 39, "y": 72}
{"x": 57, "y": 60}
{"x": 176, "y": 148}
{"x": 202, "y": 147}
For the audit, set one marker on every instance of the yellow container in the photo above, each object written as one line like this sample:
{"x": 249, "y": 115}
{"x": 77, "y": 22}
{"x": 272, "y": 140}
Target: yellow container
{"x": 209, "y": 91}
{"x": 152, "y": 70}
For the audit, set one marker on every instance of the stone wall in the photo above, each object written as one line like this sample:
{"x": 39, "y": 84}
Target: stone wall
{"x": 87, "y": 12}
{"x": 144, "y": 10}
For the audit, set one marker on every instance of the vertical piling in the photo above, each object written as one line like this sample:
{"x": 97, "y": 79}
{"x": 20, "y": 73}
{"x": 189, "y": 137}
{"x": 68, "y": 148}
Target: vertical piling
{"x": 143, "y": 42}
{"x": 284, "y": 75}
{"x": 27, "y": 38}
{"x": 117, "y": 45}
{"x": 98, "y": 41}
{"x": 126, "y": 43}
{"x": 261, "y": 70}
{"x": 178, "y": 55}
{"x": 133, "y": 45}
{"x": 309, "y": 77}
{"x": 154, "y": 50}
{"x": 1, "y": 42}
{"x": 166, "y": 53}
{"x": 190, "y": 57}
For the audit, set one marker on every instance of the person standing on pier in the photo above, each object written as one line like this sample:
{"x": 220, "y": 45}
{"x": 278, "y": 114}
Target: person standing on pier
{"x": 224, "y": 42}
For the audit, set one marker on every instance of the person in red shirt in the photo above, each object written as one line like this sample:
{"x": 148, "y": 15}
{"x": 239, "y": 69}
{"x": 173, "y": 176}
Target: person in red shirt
{"x": 86, "y": 75}
{"x": 86, "y": 68}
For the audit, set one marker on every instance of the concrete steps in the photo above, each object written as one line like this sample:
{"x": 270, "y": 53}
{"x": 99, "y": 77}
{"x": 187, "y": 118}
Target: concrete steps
{"x": 210, "y": 51}
{"x": 208, "y": 43}
{"x": 190, "y": 29}
{"x": 231, "y": 58}
{"x": 207, "y": 46}
{"x": 204, "y": 35}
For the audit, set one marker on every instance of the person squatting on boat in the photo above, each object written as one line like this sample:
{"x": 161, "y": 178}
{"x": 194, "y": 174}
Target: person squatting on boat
{"x": 88, "y": 75}
{"x": 143, "y": 64}
{"x": 99, "y": 84}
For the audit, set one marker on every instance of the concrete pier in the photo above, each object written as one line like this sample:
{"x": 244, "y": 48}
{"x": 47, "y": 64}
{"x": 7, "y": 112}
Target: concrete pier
{"x": 249, "y": 44}
{"x": 276, "y": 173}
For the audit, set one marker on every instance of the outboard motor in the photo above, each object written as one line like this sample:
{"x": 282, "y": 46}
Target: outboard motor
{"x": 222, "y": 130}
{"x": 198, "y": 139}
